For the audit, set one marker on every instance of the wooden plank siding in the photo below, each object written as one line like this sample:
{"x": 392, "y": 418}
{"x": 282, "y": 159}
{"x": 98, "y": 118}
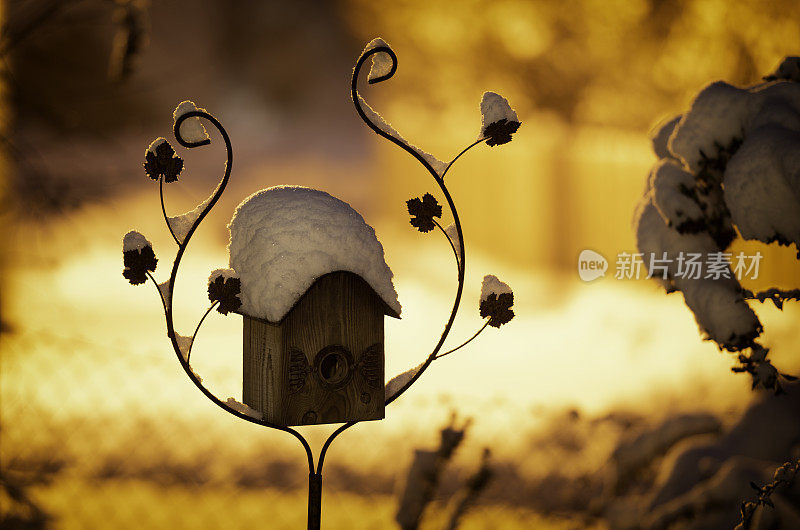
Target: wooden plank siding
{"x": 340, "y": 318}
{"x": 262, "y": 347}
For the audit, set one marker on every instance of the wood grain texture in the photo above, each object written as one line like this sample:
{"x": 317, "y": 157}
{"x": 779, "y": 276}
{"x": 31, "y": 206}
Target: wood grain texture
{"x": 339, "y": 318}
{"x": 262, "y": 344}
{"x": 340, "y": 309}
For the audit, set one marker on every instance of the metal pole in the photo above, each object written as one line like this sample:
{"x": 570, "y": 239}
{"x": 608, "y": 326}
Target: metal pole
{"x": 314, "y": 500}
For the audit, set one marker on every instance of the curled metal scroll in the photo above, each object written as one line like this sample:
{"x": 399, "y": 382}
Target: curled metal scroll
{"x": 167, "y": 298}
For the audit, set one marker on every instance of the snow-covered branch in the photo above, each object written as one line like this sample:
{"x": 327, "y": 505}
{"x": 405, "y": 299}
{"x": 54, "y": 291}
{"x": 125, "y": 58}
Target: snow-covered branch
{"x": 730, "y": 164}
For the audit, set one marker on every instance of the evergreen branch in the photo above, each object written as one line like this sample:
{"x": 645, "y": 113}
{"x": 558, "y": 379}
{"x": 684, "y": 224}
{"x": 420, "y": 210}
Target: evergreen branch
{"x": 784, "y": 476}
{"x": 778, "y": 296}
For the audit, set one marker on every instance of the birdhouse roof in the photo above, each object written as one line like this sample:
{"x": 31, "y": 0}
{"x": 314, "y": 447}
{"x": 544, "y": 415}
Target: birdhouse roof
{"x": 284, "y": 238}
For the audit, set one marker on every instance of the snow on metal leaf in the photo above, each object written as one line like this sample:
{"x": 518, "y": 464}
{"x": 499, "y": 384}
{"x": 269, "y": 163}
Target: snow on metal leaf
{"x": 498, "y": 119}
{"x": 496, "y": 301}
{"x": 138, "y": 257}
{"x": 225, "y": 289}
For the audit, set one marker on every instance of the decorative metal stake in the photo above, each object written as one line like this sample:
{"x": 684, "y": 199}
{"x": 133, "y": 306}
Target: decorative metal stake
{"x": 314, "y": 500}
{"x": 162, "y": 164}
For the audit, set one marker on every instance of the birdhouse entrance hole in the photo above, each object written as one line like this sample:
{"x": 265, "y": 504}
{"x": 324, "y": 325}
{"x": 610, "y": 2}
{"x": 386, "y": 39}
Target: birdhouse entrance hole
{"x": 334, "y": 366}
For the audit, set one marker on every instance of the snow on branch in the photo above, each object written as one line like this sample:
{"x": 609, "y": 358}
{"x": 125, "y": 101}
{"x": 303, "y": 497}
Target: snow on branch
{"x": 718, "y": 306}
{"x": 729, "y": 165}
{"x": 452, "y": 233}
{"x": 400, "y": 380}
{"x": 437, "y": 165}
{"x": 185, "y": 347}
{"x": 659, "y": 138}
{"x": 784, "y": 477}
{"x": 716, "y": 117}
{"x": 163, "y": 288}
{"x": 674, "y": 197}
{"x": 762, "y": 186}
{"x": 778, "y": 296}
{"x": 721, "y": 312}
{"x": 181, "y": 224}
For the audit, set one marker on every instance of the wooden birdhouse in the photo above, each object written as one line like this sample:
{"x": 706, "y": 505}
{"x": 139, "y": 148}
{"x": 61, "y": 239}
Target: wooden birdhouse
{"x": 315, "y": 289}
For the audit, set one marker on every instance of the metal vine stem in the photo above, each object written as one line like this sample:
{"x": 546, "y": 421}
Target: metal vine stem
{"x": 315, "y": 473}
{"x": 440, "y": 181}
{"x": 168, "y": 312}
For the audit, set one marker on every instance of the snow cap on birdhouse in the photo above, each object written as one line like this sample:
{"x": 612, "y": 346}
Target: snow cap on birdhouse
{"x": 314, "y": 292}
{"x": 285, "y": 237}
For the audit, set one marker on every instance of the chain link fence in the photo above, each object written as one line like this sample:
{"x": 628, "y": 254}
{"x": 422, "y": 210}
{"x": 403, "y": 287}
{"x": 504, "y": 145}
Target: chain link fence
{"x": 95, "y": 436}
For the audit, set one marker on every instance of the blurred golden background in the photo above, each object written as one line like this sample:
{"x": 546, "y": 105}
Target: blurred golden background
{"x": 99, "y": 427}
